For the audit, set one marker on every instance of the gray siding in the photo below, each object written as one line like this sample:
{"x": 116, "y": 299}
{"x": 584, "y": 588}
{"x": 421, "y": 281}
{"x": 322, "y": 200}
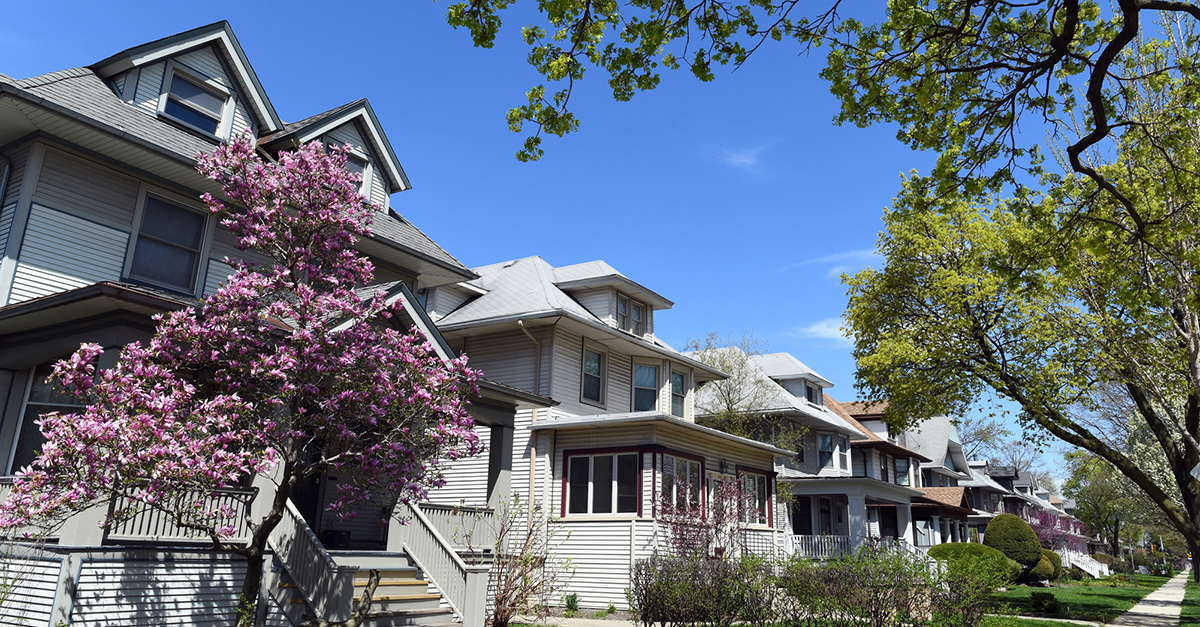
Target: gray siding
{"x": 6, "y": 219}
{"x": 62, "y": 252}
{"x": 507, "y": 357}
{"x": 149, "y": 87}
{"x": 445, "y": 300}
{"x": 366, "y": 529}
{"x": 68, "y": 183}
{"x": 600, "y": 302}
{"x": 218, "y": 271}
{"x": 20, "y": 158}
{"x": 137, "y": 593}
{"x": 225, "y": 245}
{"x": 205, "y": 62}
{"x": 30, "y": 600}
{"x": 118, "y": 82}
{"x": 375, "y": 189}
{"x": 466, "y": 479}
{"x": 568, "y": 370}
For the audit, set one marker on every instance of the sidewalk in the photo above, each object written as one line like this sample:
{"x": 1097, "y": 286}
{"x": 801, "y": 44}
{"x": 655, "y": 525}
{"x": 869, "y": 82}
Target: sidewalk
{"x": 1160, "y": 608}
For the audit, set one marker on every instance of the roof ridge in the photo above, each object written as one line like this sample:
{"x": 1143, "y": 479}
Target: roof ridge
{"x": 52, "y": 77}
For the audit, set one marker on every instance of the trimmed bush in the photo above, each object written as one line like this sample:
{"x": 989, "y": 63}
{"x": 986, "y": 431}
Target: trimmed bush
{"x": 1045, "y": 602}
{"x": 1015, "y": 539}
{"x": 977, "y": 553}
{"x": 1042, "y": 572}
{"x": 1055, "y": 560}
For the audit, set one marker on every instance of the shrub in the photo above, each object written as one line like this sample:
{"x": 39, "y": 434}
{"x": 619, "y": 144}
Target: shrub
{"x": 872, "y": 587}
{"x": 1055, "y": 561}
{"x": 1045, "y": 602}
{"x": 683, "y": 591}
{"x": 1014, "y": 538}
{"x": 979, "y": 554}
{"x": 571, "y": 602}
{"x": 967, "y": 583}
{"x": 1042, "y": 572}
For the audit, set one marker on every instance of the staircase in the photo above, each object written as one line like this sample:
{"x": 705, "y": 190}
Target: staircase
{"x": 1084, "y": 562}
{"x": 402, "y": 598}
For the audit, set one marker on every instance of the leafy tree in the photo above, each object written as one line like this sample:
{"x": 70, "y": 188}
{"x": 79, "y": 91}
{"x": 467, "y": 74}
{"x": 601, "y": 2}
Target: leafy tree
{"x": 1101, "y": 498}
{"x": 981, "y": 435}
{"x": 285, "y": 370}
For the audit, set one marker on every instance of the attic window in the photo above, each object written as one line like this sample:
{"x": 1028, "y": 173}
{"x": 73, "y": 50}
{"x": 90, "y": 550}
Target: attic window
{"x": 813, "y": 393}
{"x": 631, "y": 315}
{"x": 196, "y": 102}
{"x": 357, "y": 162}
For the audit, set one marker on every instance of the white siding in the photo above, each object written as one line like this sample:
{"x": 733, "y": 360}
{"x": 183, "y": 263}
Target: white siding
{"x": 600, "y": 553}
{"x": 68, "y": 183}
{"x": 508, "y": 357}
{"x": 217, "y": 273}
{"x": 149, "y": 87}
{"x": 205, "y": 61}
{"x": 6, "y": 219}
{"x": 466, "y": 479}
{"x": 599, "y": 302}
{"x": 445, "y": 300}
{"x": 137, "y": 593}
{"x": 20, "y": 159}
{"x": 568, "y": 369}
{"x": 30, "y": 600}
{"x": 62, "y": 252}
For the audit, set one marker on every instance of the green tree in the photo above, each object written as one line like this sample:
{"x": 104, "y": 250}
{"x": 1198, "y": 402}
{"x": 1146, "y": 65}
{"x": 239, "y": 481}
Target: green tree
{"x": 1100, "y": 498}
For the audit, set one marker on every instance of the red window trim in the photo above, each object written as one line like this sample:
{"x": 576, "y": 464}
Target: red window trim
{"x": 581, "y": 452}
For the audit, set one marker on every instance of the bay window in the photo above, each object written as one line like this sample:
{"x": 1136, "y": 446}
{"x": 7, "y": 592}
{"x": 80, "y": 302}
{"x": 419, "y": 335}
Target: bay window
{"x": 602, "y": 484}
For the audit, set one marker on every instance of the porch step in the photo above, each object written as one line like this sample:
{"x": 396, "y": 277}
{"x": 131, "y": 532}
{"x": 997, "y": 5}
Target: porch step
{"x": 436, "y": 617}
{"x": 402, "y": 602}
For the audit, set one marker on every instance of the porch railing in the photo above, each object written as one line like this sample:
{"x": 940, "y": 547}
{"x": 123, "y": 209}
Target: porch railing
{"x": 463, "y": 586}
{"x": 154, "y": 525}
{"x": 464, "y": 527}
{"x": 821, "y": 547}
{"x": 328, "y": 586}
{"x": 1084, "y": 562}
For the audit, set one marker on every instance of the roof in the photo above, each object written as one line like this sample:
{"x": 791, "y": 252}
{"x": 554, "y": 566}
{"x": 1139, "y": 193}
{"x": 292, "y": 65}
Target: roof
{"x": 865, "y": 409}
{"x": 980, "y": 479}
{"x": 394, "y": 229}
{"x": 647, "y": 417}
{"x": 952, "y": 496}
{"x": 523, "y": 289}
{"x": 600, "y": 274}
{"x": 873, "y": 440}
{"x": 785, "y": 366}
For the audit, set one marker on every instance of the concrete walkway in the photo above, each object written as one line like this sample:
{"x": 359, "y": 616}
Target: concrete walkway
{"x": 1160, "y": 608}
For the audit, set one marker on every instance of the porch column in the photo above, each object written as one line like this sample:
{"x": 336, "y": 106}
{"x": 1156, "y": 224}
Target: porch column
{"x": 857, "y": 519}
{"x": 937, "y": 531}
{"x": 500, "y": 452}
{"x": 953, "y": 530}
{"x": 904, "y": 522}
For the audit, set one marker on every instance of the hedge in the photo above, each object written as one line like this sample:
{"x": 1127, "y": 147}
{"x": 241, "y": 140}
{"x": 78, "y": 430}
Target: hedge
{"x": 1055, "y": 561}
{"x": 1015, "y": 539}
{"x": 972, "y": 551}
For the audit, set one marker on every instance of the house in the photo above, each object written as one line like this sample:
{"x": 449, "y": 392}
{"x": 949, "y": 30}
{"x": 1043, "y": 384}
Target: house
{"x": 986, "y": 497}
{"x": 622, "y": 436}
{"x": 101, "y": 228}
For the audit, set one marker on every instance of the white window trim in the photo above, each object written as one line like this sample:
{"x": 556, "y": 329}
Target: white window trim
{"x": 687, "y": 392}
{"x": 226, "y": 122}
{"x": 659, "y": 383}
{"x": 630, "y": 327}
{"x": 364, "y": 186}
{"x": 206, "y": 238}
{"x": 701, "y": 496}
{"x": 591, "y": 484}
{"x": 595, "y": 348}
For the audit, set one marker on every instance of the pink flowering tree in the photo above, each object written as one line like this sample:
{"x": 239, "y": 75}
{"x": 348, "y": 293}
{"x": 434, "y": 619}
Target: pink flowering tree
{"x": 286, "y": 370}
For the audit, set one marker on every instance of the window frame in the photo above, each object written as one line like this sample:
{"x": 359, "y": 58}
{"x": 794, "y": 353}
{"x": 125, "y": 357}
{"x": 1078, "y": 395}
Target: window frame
{"x": 591, "y": 454}
{"x": 907, "y": 467}
{"x": 627, "y": 321}
{"x": 588, "y": 346}
{"x": 766, "y": 516}
{"x": 224, "y": 124}
{"x": 832, "y": 452}
{"x": 660, "y": 477}
{"x": 364, "y": 187}
{"x": 206, "y": 238}
{"x": 633, "y": 386}
{"x": 682, "y": 396}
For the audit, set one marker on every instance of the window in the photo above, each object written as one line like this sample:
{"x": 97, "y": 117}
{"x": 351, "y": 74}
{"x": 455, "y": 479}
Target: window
{"x": 825, "y": 449}
{"x": 631, "y": 315}
{"x": 901, "y": 471}
{"x": 167, "y": 251}
{"x": 645, "y": 387}
{"x": 593, "y": 376}
{"x": 678, "y": 392}
{"x": 812, "y": 393}
{"x": 357, "y": 162}
{"x": 44, "y": 397}
{"x": 196, "y": 102}
{"x": 602, "y": 484}
{"x": 754, "y": 486}
{"x": 681, "y": 481}
{"x": 883, "y": 468}
{"x": 844, "y": 448}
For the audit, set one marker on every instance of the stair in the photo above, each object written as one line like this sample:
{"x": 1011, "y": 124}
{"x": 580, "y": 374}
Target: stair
{"x": 402, "y": 599}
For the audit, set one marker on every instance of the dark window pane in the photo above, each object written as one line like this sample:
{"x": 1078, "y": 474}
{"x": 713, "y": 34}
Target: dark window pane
{"x": 643, "y": 400}
{"x": 577, "y": 485}
{"x": 602, "y": 489}
{"x": 591, "y": 388}
{"x": 627, "y": 478}
{"x": 48, "y": 391}
{"x": 160, "y": 263}
{"x": 172, "y": 223}
{"x": 668, "y": 485}
{"x": 197, "y": 96}
{"x": 677, "y": 383}
{"x": 356, "y": 165}
{"x": 694, "y": 482}
{"x": 184, "y": 113}
{"x": 645, "y": 376}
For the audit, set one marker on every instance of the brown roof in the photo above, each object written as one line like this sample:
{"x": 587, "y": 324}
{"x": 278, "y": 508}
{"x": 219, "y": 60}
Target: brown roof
{"x": 1054, "y": 500}
{"x": 873, "y": 439}
{"x": 953, "y": 496}
{"x": 865, "y": 409}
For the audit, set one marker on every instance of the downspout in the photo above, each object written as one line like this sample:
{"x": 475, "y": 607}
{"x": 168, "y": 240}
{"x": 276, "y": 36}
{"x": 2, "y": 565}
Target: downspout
{"x": 533, "y": 449}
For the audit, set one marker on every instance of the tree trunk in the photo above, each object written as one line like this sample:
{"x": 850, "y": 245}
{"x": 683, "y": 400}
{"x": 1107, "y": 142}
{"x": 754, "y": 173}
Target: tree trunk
{"x": 248, "y": 602}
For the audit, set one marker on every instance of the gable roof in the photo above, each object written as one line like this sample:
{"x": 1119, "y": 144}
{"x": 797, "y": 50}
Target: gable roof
{"x": 953, "y": 496}
{"x": 980, "y": 479}
{"x": 219, "y": 34}
{"x": 873, "y": 439}
{"x": 359, "y": 111}
{"x": 785, "y": 366}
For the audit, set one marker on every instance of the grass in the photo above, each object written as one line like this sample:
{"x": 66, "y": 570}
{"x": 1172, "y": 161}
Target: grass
{"x": 1097, "y": 601}
{"x": 1013, "y": 621}
{"x": 1191, "y": 605}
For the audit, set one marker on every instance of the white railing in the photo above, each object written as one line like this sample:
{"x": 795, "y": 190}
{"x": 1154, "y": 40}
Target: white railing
{"x": 465, "y": 527}
{"x": 821, "y": 547}
{"x": 464, "y": 587}
{"x": 154, "y": 525}
{"x": 328, "y": 586}
{"x": 1084, "y": 562}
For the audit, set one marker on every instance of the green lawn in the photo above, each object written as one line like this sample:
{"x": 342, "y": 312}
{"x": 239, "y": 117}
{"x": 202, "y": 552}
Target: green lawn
{"x": 1012, "y": 621}
{"x": 1191, "y": 605}
{"x": 1098, "y": 602}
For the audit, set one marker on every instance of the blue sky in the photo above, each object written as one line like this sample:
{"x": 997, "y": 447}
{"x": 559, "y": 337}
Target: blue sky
{"x": 737, "y": 199}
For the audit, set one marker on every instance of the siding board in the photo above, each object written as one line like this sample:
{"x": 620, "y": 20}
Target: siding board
{"x": 138, "y": 593}
{"x": 30, "y": 600}
{"x": 6, "y": 220}
{"x": 20, "y": 158}
{"x": 149, "y": 87}
{"x": 218, "y": 271}
{"x": 68, "y": 183}
{"x": 467, "y": 479}
{"x": 62, "y": 252}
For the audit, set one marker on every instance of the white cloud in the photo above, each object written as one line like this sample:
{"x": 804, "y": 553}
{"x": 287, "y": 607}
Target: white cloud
{"x": 744, "y": 159}
{"x": 827, "y": 329}
{"x": 848, "y": 261}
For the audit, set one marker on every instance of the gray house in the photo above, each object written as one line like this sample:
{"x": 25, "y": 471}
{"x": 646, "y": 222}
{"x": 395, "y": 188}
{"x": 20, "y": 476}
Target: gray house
{"x": 101, "y": 227}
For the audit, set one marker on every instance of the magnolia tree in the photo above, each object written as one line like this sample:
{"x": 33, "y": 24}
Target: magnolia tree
{"x": 284, "y": 372}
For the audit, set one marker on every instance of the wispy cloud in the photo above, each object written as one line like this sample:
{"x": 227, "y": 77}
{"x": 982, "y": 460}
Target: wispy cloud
{"x": 827, "y": 329}
{"x": 843, "y": 262}
{"x": 747, "y": 159}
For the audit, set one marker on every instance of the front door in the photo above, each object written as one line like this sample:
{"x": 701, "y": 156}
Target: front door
{"x": 889, "y": 528}
{"x": 802, "y": 516}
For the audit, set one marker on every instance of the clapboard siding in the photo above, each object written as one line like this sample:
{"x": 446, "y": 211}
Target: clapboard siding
{"x": 568, "y": 369}
{"x": 86, "y": 189}
{"x": 445, "y": 300}
{"x": 225, "y": 245}
{"x": 62, "y": 252}
{"x": 137, "y": 593}
{"x": 6, "y": 219}
{"x": 118, "y": 82}
{"x": 375, "y": 190}
{"x": 206, "y": 62}
{"x": 466, "y": 479}
{"x": 507, "y": 357}
{"x": 149, "y": 87}
{"x": 600, "y": 302}
{"x": 858, "y": 465}
{"x": 600, "y": 552}
{"x": 367, "y": 529}
{"x": 20, "y": 158}
{"x": 30, "y": 599}
{"x": 379, "y": 194}
{"x": 218, "y": 271}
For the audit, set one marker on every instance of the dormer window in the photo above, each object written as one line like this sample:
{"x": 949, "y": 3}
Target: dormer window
{"x": 357, "y": 162}
{"x": 812, "y": 393}
{"x": 196, "y": 102}
{"x": 631, "y": 315}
